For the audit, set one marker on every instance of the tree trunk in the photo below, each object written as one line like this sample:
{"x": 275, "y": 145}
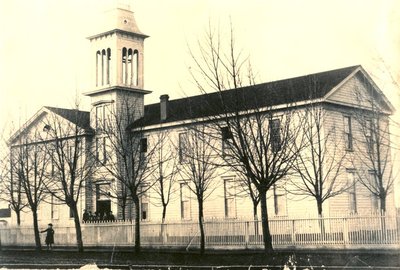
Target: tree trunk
{"x": 201, "y": 225}
{"x": 164, "y": 212}
{"x": 319, "y": 206}
{"x": 320, "y": 218}
{"x": 18, "y": 213}
{"x": 383, "y": 204}
{"x": 36, "y": 230}
{"x": 255, "y": 209}
{"x": 123, "y": 209}
{"x": 78, "y": 230}
{"x": 137, "y": 225}
{"x": 267, "y": 239}
{"x": 255, "y": 215}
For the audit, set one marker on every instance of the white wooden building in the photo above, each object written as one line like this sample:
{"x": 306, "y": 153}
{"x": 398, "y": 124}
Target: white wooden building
{"x": 117, "y": 56}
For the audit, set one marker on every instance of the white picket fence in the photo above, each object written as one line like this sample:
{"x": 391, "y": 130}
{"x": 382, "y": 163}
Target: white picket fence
{"x": 337, "y": 232}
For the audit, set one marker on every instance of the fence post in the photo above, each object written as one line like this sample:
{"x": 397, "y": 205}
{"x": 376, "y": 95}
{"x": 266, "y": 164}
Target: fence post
{"x": 246, "y": 234}
{"x": 345, "y": 231}
{"x": 293, "y": 233}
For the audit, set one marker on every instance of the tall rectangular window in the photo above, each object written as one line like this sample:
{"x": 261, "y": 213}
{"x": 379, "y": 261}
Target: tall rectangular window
{"x": 348, "y": 136}
{"x": 144, "y": 203}
{"x": 352, "y": 191}
{"x": 101, "y": 151}
{"x": 374, "y": 199}
{"x": 275, "y": 134}
{"x": 230, "y": 198}
{"x": 226, "y": 139}
{"x": 101, "y": 116}
{"x": 280, "y": 207}
{"x": 54, "y": 208}
{"x": 143, "y": 145}
{"x": 185, "y": 201}
{"x": 369, "y": 135}
{"x": 182, "y": 147}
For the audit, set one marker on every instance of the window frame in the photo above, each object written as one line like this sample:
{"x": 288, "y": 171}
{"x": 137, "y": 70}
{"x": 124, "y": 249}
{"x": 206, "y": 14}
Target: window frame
{"x": 185, "y": 200}
{"x": 280, "y": 196}
{"x": 182, "y": 146}
{"x": 230, "y": 194}
{"x": 352, "y": 191}
{"x": 275, "y": 134}
{"x": 348, "y": 131}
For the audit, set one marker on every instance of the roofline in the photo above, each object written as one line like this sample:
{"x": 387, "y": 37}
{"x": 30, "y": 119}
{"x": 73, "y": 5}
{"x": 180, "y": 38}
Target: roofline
{"x": 391, "y": 107}
{"x": 44, "y": 109}
{"x": 119, "y": 31}
{"x": 220, "y": 116}
{"x": 330, "y": 93}
{"x": 252, "y": 111}
{"x": 27, "y": 124}
{"x": 374, "y": 85}
{"x": 117, "y": 87}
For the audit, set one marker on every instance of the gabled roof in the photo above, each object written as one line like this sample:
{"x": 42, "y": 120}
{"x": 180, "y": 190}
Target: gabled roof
{"x": 288, "y": 91}
{"x": 79, "y": 118}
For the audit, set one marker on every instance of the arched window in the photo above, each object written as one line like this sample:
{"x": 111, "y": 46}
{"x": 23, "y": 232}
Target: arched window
{"x": 129, "y": 68}
{"x": 124, "y": 61}
{"x": 108, "y": 65}
{"x": 97, "y": 68}
{"x": 135, "y": 68}
{"x": 104, "y": 63}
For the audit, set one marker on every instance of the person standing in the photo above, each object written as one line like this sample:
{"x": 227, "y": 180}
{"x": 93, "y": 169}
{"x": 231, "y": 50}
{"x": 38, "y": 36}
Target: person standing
{"x": 86, "y": 216}
{"x": 49, "y": 236}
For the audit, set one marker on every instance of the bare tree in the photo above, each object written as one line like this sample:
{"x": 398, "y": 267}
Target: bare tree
{"x": 30, "y": 165}
{"x": 198, "y": 168}
{"x": 167, "y": 161}
{"x": 67, "y": 144}
{"x": 127, "y": 154}
{"x": 321, "y": 160}
{"x": 11, "y": 188}
{"x": 248, "y": 189}
{"x": 260, "y": 138}
{"x": 375, "y": 160}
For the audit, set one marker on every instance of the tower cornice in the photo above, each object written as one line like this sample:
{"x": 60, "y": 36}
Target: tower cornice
{"x": 117, "y": 88}
{"x": 118, "y": 31}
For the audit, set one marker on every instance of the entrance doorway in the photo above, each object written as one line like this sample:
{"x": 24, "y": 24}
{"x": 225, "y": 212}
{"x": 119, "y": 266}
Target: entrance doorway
{"x": 103, "y": 207}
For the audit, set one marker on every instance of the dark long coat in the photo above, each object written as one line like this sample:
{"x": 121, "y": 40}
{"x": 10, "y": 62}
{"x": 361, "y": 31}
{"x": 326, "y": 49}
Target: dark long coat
{"x": 49, "y": 236}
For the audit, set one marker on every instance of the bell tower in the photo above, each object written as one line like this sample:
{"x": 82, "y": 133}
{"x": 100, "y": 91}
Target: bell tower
{"x": 117, "y": 53}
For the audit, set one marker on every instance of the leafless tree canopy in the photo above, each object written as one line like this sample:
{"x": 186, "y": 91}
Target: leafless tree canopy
{"x": 127, "y": 154}
{"x": 375, "y": 161}
{"x": 258, "y": 140}
{"x": 198, "y": 168}
{"x": 321, "y": 160}
{"x": 66, "y": 144}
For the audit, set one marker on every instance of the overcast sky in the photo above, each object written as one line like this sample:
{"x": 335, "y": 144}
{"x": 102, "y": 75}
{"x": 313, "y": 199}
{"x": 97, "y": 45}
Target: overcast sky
{"x": 44, "y": 57}
{"x": 44, "y": 53}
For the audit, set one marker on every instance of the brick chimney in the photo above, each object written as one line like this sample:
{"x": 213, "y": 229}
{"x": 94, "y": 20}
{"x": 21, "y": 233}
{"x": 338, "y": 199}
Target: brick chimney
{"x": 164, "y": 107}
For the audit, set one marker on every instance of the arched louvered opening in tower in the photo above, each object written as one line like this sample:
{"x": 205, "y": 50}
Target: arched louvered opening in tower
{"x": 103, "y": 63}
{"x": 130, "y": 67}
{"x": 108, "y": 65}
{"x": 98, "y": 61}
{"x": 135, "y": 68}
{"x": 124, "y": 65}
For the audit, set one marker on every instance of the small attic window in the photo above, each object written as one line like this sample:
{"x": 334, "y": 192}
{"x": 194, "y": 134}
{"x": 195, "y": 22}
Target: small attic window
{"x": 125, "y": 21}
{"x": 46, "y": 128}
